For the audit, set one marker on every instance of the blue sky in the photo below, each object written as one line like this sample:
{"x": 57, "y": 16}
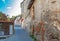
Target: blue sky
{"x": 10, "y": 7}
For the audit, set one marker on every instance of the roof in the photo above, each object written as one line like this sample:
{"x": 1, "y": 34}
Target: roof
{"x": 6, "y": 22}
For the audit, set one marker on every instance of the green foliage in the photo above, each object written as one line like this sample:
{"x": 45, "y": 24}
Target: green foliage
{"x": 2, "y": 16}
{"x": 33, "y": 37}
{"x": 14, "y": 17}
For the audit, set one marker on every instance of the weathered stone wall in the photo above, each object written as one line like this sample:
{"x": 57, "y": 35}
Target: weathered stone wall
{"x": 48, "y": 11}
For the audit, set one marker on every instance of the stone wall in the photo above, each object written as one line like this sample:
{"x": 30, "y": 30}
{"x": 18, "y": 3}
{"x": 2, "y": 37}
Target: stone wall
{"x": 47, "y": 11}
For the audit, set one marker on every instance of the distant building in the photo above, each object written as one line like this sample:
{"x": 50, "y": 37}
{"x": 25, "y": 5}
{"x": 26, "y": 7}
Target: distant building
{"x": 6, "y": 27}
{"x": 25, "y": 15}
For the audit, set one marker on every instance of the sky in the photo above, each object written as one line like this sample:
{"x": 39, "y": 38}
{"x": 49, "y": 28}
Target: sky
{"x": 10, "y": 7}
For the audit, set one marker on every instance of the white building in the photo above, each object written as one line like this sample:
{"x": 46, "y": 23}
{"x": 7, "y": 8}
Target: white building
{"x": 25, "y": 15}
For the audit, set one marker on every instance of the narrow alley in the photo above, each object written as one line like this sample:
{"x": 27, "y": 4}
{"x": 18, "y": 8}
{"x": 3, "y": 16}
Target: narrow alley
{"x": 20, "y": 35}
{"x": 29, "y": 20}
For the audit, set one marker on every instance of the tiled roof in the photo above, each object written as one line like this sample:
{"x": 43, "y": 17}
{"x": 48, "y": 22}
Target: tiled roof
{"x": 6, "y": 22}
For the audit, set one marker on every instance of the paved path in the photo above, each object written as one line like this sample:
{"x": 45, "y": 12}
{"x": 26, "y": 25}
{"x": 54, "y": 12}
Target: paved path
{"x": 20, "y": 35}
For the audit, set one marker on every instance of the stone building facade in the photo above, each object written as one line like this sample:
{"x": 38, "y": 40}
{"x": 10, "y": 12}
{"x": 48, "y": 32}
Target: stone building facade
{"x": 44, "y": 19}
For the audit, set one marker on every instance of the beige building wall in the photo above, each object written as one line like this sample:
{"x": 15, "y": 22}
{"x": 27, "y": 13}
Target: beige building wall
{"x": 42, "y": 8}
{"x": 45, "y": 10}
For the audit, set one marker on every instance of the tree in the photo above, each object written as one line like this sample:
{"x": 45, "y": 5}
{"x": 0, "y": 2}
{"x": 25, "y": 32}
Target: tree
{"x": 3, "y": 16}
